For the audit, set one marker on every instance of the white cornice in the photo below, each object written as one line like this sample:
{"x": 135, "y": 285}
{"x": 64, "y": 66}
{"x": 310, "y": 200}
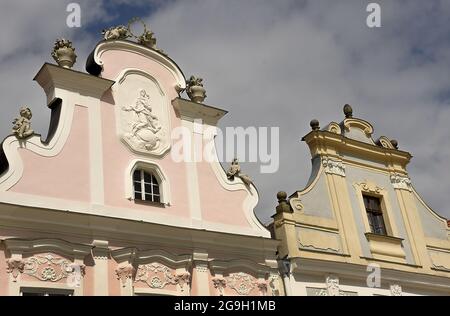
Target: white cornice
{"x": 47, "y": 245}
{"x": 191, "y": 111}
{"x": 52, "y": 76}
{"x": 143, "y": 51}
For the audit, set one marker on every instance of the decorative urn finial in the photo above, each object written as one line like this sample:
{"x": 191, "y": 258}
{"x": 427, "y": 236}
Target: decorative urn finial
{"x": 283, "y": 205}
{"x": 195, "y": 89}
{"x": 22, "y": 125}
{"x": 315, "y": 125}
{"x": 348, "y": 111}
{"x": 64, "y": 53}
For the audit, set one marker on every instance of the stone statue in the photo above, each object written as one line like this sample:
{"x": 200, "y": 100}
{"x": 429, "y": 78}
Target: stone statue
{"x": 116, "y": 33}
{"x": 146, "y": 125}
{"x": 235, "y": 171}
{"x": 22, "y": 125}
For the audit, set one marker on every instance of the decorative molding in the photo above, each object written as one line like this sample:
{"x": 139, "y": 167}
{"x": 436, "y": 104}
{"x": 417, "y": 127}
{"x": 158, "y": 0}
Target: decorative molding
{"x": 220, "y": 284}
{"x": 333, "y": 167}
{"x": 369, "y": 187}
{"x": 385, "y": 142}
{"x": 19, "y": 246}
{"x": 241, "y": 282}
{"x": 296, "y": 204}
{"x": 401, "y": 182}
{"x": 334, "y": 128}
{"x": 48, "y": 267}
{"x": 135, "y": 48}
{"x": 15, "y": 267}
{"x": 359, "y": 124}
{"x": 124, "y": 272}
{"x": 333, "y": 286}
{"x": 201, "y": 267}
{"x": 158, "y": 276}
{"x": 144, "y": 123}
{"x": 396, "y": 290}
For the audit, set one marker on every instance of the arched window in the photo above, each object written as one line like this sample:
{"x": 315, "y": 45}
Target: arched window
{"x": 146, "y": 186}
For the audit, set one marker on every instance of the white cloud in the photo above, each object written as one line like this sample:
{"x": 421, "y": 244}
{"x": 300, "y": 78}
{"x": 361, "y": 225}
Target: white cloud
{"x": 277, "y": 63}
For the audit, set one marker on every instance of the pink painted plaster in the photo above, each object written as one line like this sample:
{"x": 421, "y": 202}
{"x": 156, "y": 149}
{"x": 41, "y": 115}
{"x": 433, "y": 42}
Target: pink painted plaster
{"x": 65, "y": 176}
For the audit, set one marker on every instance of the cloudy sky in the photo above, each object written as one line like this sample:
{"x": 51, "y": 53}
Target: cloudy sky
{"x": 271, "y": 63}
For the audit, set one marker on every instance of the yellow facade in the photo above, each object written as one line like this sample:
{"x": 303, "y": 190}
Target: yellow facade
{"x": 327, "y": 243}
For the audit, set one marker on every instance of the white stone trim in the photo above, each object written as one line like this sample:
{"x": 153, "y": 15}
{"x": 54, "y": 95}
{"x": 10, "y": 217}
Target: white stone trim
{"x": 68, "y": 206}
{"x": 252, "y": 198}
{"x": 143, "y": 51}
{"x": 192, "y": 177}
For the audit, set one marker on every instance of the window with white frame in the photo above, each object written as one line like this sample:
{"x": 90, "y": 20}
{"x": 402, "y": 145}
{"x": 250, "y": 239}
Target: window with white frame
{"x": 146, "y": 187}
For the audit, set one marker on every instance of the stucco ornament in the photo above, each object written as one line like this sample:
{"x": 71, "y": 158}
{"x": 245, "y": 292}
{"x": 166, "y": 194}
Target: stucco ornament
{"x": 158, "y": 276}
{"x": 396, "y": 290}
{"x": 48, "y": 268}
{"x": 116, "y": 33}
{"x": 219, "y": 284}
{"x": 124, "y": 272}
{"x": 15, "y": 267}
{"x": 146, "y": 126}
{"x": 22, "y": 125}
{"x": 333, "y": 167}
{"x": 242, "y": 283}
{"x": 235, "y": 171}
{"x": 64, "y": 53}
{"x": 333, "y": 286}
{"x": 401, "y": 182}
{"x": 195, "y": 89}
{"x": 147, "y": 37}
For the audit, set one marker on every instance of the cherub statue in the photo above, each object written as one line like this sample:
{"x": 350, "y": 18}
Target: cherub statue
{"x": 116, "y": 33}
{"x": 22, "y": 125}
{"x": 235, "y": 171}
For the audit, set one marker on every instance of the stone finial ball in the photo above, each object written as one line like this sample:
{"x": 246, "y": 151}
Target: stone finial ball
{"x": 315, "y": 125}
{"x": 282, "y": 196}
{"x": 394, "y": 143}
{"x": 348, "y": 111}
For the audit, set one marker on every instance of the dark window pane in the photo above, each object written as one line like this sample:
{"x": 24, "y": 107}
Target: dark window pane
{"x": 375, "y": 215}
{"x": 138, "y": 195}
{"x": 157, "y": 199}
{"x": 137, "y": 175}
{"x": 156, "y": 189}
{"x": 148, "y": 197}
{"x": 148, "y": 189}
{"x": 147, "y": 177}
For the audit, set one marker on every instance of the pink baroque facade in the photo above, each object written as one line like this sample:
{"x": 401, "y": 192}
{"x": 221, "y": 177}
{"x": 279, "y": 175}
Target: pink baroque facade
{"x": 100, "y": 207}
